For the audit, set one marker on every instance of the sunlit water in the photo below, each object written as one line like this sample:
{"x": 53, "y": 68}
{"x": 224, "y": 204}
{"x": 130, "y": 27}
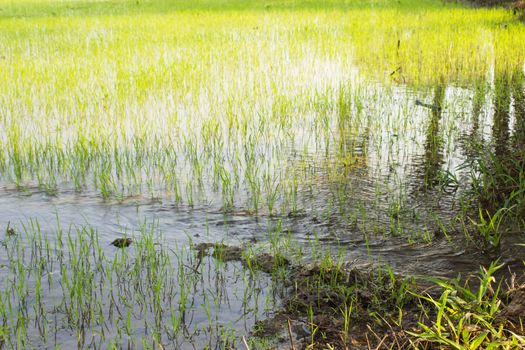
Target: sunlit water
{"x": 374, "y": 193}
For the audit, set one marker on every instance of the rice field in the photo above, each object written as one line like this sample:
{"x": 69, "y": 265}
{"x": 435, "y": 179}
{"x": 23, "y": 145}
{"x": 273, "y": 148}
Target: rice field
{"x": 388, "y": 135}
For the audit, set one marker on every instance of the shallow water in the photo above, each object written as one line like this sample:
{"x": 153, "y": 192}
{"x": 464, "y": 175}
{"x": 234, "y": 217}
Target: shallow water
{"x": 378, "y": 196}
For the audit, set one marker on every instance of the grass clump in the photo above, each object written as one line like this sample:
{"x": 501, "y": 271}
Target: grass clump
{"x": 464, "y": 317}
{"x": 336, "y": 307}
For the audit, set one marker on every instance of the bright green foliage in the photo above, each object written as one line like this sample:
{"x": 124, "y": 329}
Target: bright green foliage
{"x": 465, "y": 317}
{"x": 154, "y": 97}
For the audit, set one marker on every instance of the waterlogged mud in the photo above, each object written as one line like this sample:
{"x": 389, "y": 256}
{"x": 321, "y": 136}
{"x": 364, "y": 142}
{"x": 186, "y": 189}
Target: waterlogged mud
{"x": 319, "y": 299}
{"x": 343, "y": 307}
{"x": 261, "y": 261}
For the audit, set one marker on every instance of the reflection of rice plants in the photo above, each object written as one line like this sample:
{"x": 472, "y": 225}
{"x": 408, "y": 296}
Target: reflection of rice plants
{"x": 498, "y": 179}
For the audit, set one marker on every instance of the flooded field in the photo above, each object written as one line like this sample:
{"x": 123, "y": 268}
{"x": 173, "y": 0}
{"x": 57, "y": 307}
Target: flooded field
{"x": 245, "y": 148}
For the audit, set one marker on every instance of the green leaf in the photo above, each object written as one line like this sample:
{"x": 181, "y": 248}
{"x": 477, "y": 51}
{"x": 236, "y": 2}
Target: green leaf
{"x": 478, "y": 341}
{"x": 441, "y": 311}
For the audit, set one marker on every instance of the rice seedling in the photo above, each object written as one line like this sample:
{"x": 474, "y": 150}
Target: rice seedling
{"x": 335, "y": 125}
{"x": 132, "y": 147}
{"x": 69, "y": 280}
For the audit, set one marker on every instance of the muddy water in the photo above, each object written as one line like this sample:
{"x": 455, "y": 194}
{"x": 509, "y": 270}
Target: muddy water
{"x": 384, "y": 203}
{"x": 441, "y": 256}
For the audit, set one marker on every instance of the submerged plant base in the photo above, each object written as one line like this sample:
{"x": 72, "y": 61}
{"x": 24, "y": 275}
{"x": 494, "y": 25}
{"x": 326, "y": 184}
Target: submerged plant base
{"x": 122, "y": 242}
{"x": 263, "y": 261}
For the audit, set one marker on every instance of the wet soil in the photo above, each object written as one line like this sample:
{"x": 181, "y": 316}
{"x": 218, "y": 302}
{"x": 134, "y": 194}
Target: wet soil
{"x": 515, "y": 307}
{"x": 226, "y": 253}
{"x": 312, "y": 315}
{"x": 317, "y": 297}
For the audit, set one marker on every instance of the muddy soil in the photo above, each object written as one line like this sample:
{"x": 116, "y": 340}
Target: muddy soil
{"x": 317, "y": 298}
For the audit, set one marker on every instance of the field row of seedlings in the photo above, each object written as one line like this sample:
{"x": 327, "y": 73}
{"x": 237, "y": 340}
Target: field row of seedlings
{"x": 363, "y": 153}
{"x": 65, "y": 289}
{"x": 372, "y": 121}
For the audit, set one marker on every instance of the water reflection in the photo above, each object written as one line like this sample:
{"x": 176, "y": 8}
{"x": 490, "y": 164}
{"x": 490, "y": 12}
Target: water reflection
{"x": 518, "y": 96}
{"x": 433, "y": 158}
{"x": 500, "y": 127}
{"x": 479, "y": 99}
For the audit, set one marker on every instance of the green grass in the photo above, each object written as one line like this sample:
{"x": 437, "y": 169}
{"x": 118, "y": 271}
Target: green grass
{"x": 72, "y": 288}
{"x": 160, "y": 97}
{"x": 467, "y": 318}
{"x": 290, "y": 108}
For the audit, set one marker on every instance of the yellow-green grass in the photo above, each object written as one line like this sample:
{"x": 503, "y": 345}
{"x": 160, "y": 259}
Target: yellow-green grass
{"x": 160, "y": 94}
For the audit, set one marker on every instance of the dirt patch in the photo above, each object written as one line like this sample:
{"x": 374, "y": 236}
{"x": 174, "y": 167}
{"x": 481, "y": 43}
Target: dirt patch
{"x": 262, "y": 262}
{"x": 338, "y": 306}
{"x": 286, "y": 332}
{"x": 268, "y": 263}
{"x": 341, "y": 307}
{"x": 513, "y": 312}
{"x": 219, "y": 251}
{"x": 329, "y": 305}
{"x": 227, "y": 253}
{"x": 337, "y": 291}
